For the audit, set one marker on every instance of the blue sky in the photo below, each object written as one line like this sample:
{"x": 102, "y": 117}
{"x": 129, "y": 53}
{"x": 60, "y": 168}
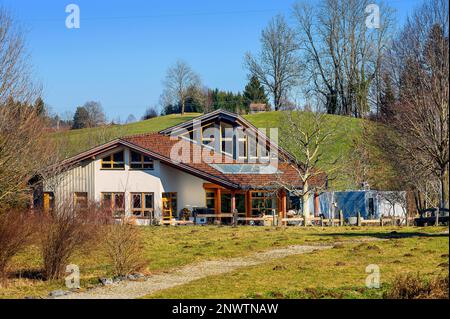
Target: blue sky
{"x": 121, "y": 51}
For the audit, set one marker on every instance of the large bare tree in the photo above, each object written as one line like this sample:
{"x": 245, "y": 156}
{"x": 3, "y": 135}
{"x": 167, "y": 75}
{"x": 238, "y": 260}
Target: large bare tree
{"x": 420, "y": 65}
{"x": 276, "y": 66}
{"x": 179, "y": 80}
{"x": 24, "y": 148}
{"x": 306, "y": 136}
{"x": 341, "y": 52}
{"x": 15, "y": 71}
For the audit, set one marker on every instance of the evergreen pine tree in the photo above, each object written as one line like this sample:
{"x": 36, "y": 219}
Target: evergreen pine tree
{"x": 254, "y": 92}
{"x": 80, "y": 118}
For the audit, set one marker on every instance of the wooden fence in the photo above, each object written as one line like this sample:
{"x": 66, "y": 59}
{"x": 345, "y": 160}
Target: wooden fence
{"x": 274, "y": 220}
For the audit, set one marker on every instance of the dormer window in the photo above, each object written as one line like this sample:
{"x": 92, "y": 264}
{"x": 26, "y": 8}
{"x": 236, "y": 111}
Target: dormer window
{"x": 113, "y": 161}
{"x": 140, "y": 161}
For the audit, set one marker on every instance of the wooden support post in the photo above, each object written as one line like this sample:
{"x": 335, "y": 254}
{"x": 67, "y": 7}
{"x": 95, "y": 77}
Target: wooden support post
{"x": 233, "y": 208}
{"x": 321, "y": 220}
{"x": 341, "y": 218}
{"x": 358, "y": 219}
{"x": 283, "y": 205}
{"x": 218, "y": 204}
{"x": 381, "y": 221}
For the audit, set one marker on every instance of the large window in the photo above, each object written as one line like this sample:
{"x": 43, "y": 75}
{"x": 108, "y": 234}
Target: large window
{"x": 113, "y": 161}
{"x": 140, "y": 161}
{"x": 115, "y": 202}
{"x": 211, "y": 200}
{"x": 262, "y": 203}
{"x": 209, "y": 135}
{"x": 80, "y": 200}
{"x": 242, "y": 145}
{"x": 225, "y": 203}
{"x": 226, "y": 138}
{"x": 142, "y": 205}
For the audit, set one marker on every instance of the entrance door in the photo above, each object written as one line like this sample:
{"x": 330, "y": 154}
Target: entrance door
{"x": 169, "y": 209}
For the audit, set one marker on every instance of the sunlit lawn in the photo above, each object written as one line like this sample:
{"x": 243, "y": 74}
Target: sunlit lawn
{"x": 169, "y": 247}
{"x": 335, "y": 273}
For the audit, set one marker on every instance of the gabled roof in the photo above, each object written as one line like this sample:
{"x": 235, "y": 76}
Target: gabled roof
{"x": 160, "y": 145}
{"x": 229, "y": 116}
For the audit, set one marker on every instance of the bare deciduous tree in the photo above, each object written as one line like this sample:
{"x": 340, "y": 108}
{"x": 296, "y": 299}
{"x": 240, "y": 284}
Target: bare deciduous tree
{"x": 15, "y": 79}
{"x": 342, "y": 56}
{"x": 276, "y": 66}
{"x": 179, "y": 79}
{"x": 96, "y": 114}
{"x": 420, "y": 64}
{"x": 305, "y": 135}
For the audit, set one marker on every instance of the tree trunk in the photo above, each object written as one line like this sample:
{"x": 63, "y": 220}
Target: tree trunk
{"x": 182, "y": 106}
{"x": 306, "y": 210}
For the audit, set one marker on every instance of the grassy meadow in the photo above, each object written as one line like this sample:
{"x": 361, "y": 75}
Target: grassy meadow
{"x": 337, "y": 270}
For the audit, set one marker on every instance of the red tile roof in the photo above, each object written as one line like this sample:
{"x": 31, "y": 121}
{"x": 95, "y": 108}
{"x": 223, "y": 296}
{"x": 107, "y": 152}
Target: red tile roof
{"x": 190, "y": 156}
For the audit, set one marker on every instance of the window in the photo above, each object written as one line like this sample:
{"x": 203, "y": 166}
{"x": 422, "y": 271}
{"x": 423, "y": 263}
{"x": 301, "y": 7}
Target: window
{"x": 80, "y": 200}
{"x": 113, "y": 161}
{"x": 262, "y": 203}
{"x": 252, "y": 147}
{"x": 208, "y": 135}
{"x": 142, "y": 205}
{"x": 211, "y": 200}
{"x": 227, "y": 138}
{"x": 242, "y": 146}
{"x": 225, "y": 202}
{"x": 115, "y": 202}
{"x": 140, "y": 161}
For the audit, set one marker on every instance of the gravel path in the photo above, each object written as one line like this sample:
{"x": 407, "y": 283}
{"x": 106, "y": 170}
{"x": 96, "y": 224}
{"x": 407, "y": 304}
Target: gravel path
{"x": 188, "y": 273}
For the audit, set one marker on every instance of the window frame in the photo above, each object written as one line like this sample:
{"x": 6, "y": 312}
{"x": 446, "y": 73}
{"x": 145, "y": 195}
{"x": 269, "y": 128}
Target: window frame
{"x": 113, "y": 206}
{"x": 213, "y": 198}
{"x": 112, "y": 162}
{"x": 266, "y": 195}
{"x": 211, "y": 140}
{"x": 142, "y": 162}
{"x": 226, "y": 139}
{"x": 143, "y": 207}
{"x": 76, "y": 197}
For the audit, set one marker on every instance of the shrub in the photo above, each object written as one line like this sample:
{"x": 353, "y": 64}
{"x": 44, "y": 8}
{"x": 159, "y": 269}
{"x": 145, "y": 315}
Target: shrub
{"x": 16, "y": 229}
{"x": 62, "y": 232}
{"x": 123, "y": 244}
{"x": 416, "y": 287}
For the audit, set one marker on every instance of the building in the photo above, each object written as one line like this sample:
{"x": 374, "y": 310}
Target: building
{"x": 257, "y": 107}
{"x": 218, "y": 161}
{"x": 371, "y": 204}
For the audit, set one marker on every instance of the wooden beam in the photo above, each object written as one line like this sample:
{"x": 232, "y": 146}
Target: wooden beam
{"x": 212, "y": 186}
{"x": 248, "y": 204}
{"x": 233, "y": 201}
{"x": 283, "y": 203}
{"x": 218, "y": 203}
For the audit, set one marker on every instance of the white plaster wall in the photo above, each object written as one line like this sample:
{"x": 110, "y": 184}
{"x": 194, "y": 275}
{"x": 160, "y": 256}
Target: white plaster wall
{"x": 128, "y": 181}
{"x": 162, "y": 178}
{"x": 189, "y": 188}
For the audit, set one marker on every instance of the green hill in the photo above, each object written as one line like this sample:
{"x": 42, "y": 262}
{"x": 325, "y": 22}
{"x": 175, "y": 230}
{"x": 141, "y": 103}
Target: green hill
{"x": 347, "y": 131}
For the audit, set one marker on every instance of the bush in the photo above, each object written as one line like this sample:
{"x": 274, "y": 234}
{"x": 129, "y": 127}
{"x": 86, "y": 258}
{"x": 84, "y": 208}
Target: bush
{"x": 123, "y": 244}
{"x": 16, "y": 229}
{"x": 416, "y": 287}
{"x": 62, "y": 232}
